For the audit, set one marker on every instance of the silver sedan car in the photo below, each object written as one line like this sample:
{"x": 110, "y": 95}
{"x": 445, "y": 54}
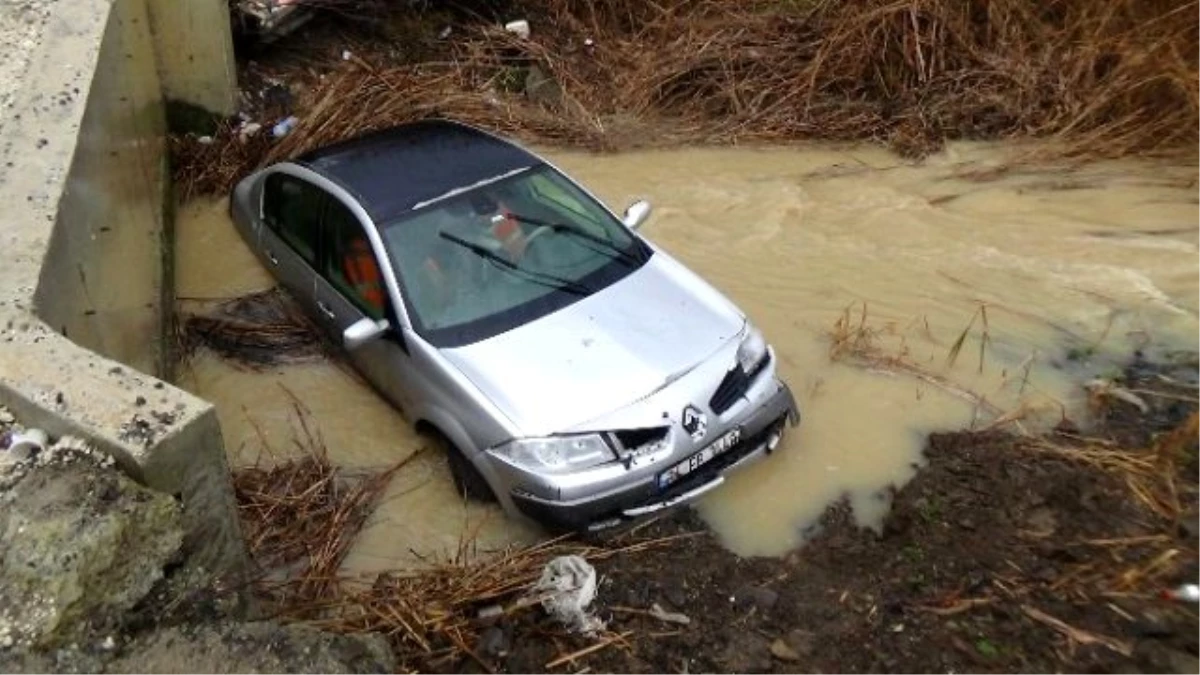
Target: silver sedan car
{"x": 571, "y": 369}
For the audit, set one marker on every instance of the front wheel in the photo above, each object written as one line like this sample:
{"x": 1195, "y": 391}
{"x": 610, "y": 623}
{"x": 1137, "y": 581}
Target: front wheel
{"x": 467, "y": 480}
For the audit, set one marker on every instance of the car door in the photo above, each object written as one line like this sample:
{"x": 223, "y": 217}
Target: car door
{"x": 385, "y": 362}
{"x": 289, "y": 242}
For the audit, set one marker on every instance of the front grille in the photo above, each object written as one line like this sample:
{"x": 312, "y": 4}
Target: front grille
{"x": 632, "y": 439}
{"x": 734, "y": 385}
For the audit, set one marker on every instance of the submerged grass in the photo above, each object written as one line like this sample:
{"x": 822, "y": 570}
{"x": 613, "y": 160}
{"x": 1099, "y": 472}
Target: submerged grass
{"x": 1098, "y": 77}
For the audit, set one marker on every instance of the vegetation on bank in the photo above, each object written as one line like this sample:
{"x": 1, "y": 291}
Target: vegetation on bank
{"x": 1099, "y": 77}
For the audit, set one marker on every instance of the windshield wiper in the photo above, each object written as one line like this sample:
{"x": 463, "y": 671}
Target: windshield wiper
{"x": 536, "y": 277}
{"x": 625, "y": 255}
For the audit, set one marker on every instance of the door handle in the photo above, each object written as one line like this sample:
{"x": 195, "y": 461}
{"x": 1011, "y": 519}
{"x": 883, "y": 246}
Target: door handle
{"x": 272, "y": 257}
{"x": 325, "y": 310}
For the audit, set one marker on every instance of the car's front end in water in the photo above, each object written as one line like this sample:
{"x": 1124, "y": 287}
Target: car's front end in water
{"x": 637, "y": 399}
{"x": 656, "y": 467}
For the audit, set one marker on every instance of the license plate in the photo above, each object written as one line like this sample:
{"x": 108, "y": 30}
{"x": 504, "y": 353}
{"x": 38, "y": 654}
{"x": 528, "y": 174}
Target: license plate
{"x": 710, "y": 452}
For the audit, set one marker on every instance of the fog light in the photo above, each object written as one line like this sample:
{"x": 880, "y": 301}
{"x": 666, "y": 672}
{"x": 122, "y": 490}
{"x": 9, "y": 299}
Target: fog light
{"x": 773, "y": 441}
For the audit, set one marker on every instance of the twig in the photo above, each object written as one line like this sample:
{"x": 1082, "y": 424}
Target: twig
{"x": 959, "y": 607}
{"x": 587, "y": 650}
{"x": 1077, "y": 634}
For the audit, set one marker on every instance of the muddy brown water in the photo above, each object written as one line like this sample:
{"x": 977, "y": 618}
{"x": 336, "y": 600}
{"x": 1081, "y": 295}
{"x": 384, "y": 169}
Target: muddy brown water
{"x": 1075, "y": 267}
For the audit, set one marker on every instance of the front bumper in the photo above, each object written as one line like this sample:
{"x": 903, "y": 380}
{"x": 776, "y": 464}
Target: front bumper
{"x": 762, "y": 429}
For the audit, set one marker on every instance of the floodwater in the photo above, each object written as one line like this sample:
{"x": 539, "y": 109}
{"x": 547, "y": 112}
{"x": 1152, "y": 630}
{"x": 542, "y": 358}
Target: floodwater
{"x": 1057, "y": 273}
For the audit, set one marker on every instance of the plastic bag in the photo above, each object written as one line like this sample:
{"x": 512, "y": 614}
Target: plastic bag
{"x": 569, "y": 586}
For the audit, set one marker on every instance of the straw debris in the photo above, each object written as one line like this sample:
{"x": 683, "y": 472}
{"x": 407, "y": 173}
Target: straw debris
{"x": 302, "y": 515}
{"x": 1099, "y": 78}
{"x": 255, "y": 330}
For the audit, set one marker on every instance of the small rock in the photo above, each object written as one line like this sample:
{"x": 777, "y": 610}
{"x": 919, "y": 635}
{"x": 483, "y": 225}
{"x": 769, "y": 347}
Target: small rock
{"x": 966, "y": 523}
{"x": 801, "y": 641}
{"x": 494, "y": 642}
{"x": 757, "y": 596}
{"x": 782, "y": 651}
{"x": 661, "y": 614}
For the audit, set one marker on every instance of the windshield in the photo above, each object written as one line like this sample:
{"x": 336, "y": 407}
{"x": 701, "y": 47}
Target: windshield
{"x": 489, "y": 259}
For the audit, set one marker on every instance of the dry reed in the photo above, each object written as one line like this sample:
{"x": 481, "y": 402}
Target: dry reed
{"x": 1099, "y": 77}
{"x": 301, "y": 516}
{"x": 254, "y": 330}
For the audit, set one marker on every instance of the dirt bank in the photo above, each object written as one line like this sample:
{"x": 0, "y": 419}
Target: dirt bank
{"x": 1005, "y": 553}
{"x": 998, "y": 556}
{"x": 1105, "y": 78}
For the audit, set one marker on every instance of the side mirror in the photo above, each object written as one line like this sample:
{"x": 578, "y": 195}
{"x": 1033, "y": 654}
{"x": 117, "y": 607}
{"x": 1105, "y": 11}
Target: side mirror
{"x": 636, "y": 214}
{"x": 363, "y": 331}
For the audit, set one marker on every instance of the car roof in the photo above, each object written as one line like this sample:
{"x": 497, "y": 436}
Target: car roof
{"x": 391, "y": 171}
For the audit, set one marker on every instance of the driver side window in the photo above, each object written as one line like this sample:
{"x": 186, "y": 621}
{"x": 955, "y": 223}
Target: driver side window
{"x": 350, "y": 264}
{"x": 292, "y": 208}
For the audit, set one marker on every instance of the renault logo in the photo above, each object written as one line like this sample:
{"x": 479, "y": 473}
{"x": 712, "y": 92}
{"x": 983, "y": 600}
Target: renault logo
{"x": 695, "y": 423}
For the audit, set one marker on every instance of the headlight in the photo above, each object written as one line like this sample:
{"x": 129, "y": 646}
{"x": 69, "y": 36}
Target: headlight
{"x": 752, "y": 352}
{"x": 558, "y": 454}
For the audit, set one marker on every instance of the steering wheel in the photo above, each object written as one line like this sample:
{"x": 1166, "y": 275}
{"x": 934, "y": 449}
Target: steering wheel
{"x": 542, "y": 255}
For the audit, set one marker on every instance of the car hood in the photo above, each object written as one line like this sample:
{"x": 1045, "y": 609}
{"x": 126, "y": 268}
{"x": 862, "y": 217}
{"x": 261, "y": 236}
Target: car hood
{"x": 604, "y": 352}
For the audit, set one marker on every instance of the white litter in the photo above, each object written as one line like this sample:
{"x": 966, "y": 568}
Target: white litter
{"x": 520, "y": 28}
{"x": 347, "y": 54}
{"x": 285, "y": 127}
{"x": 1107, "y": 388}
{"x": 249, "y": 129}
{"x": 27, "y": 444}
{"x": 568, "y": 584}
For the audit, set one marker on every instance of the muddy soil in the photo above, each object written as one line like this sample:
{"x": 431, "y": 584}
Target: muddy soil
{"x": 994, "y": 558}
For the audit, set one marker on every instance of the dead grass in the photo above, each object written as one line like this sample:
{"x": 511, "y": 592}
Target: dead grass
{"x": 853, "y": 340}
{"x": 1098, "y": 77}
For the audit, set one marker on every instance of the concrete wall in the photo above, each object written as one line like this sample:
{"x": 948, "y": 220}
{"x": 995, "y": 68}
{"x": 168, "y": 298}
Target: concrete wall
{"x": 84, "y": 193}
{"x": 101, "y": 282}
{"x": 195, "y": 61}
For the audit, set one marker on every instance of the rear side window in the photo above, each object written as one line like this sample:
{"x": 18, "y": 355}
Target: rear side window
{"x": 292, "y": 209}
